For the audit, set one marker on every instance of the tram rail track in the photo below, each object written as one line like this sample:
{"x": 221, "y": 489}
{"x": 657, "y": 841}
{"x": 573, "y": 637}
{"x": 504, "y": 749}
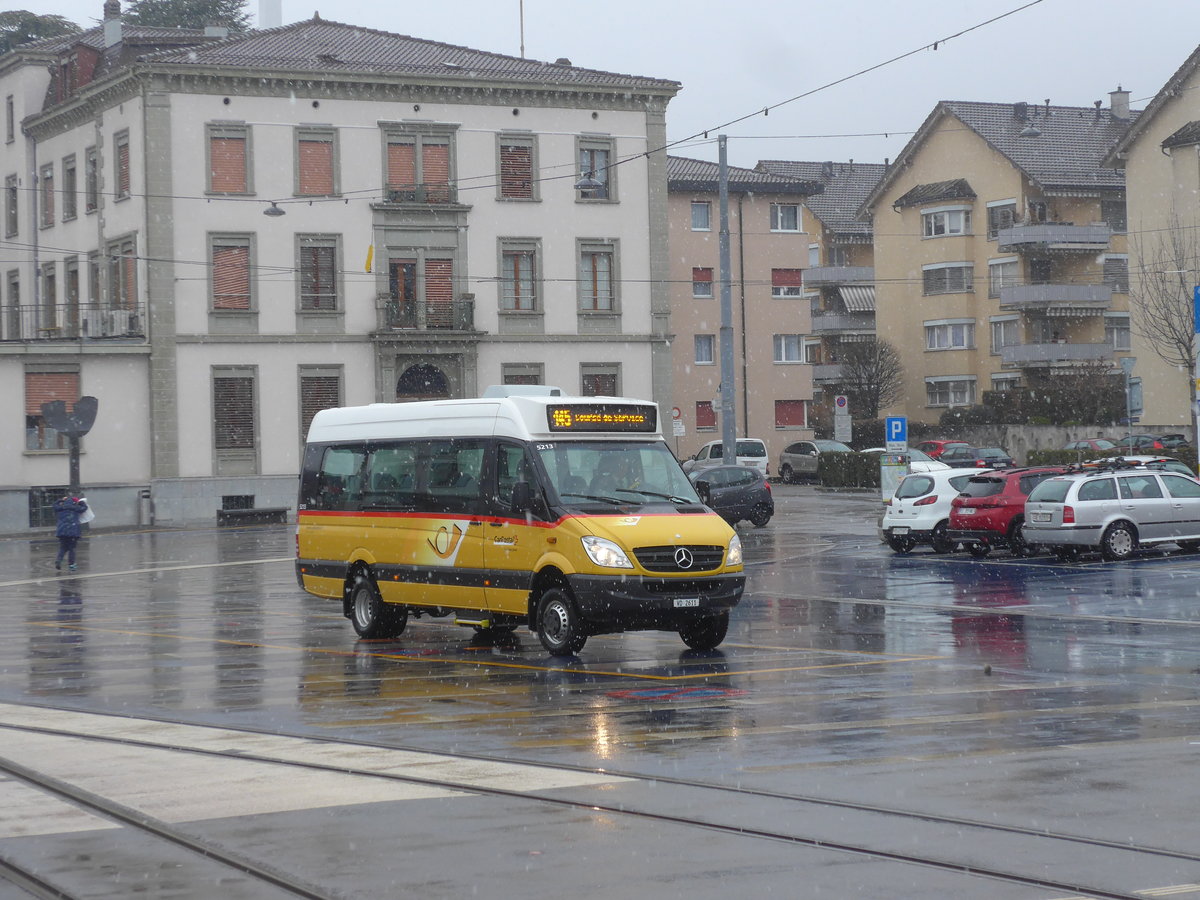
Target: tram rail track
{"x": 730, "y": 827}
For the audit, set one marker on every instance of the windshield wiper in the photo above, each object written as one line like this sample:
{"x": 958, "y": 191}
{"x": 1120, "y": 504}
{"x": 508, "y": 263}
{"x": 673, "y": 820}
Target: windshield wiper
{"x": 612, "y": 500}
{"x": 670, "y": 497}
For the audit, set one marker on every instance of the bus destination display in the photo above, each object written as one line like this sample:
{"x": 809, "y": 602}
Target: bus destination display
{"x": 601, "y": 417}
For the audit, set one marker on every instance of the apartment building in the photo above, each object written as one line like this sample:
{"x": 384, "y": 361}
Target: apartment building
{"x": 840, "y": 276}
{"x": 218, "y": 236}
{"x": 770, "y": 232}
{"x": 1000, "y": 249}
{"x": 1160, "y": 157}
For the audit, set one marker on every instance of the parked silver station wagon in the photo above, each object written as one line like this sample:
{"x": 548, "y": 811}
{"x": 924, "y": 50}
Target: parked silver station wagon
{"x": 1114, "y": 510}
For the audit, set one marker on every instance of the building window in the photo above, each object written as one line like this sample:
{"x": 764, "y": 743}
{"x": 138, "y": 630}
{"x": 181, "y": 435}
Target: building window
{"x": 518, "y": 278}
{"x": 791, "y": 414}
{"x": 320, "y": 388}
{"x": 70, "y": 188}
{"x": 229, "y": 158}
{"x": 93, "y": 276}
{"x": 1005, "y": 382}
{"x": 233, "y": 410}
{"x": 71, "y": 288}
{"x": 122, "y": 273}
{"x": 785, "y": 217}
{"x": 950, "y": 391}
{"x": 419, "y": 164}
{"x": 945, "y": 222}
{"x": 597, "y": 281}
{"x": 701, "y": 215}
{"x": 522, "y": 373}
{"x": 705, "y": 349}
{"x": 91, "y": 179}
{"x": 600, "y": 379}
{"x": 49, "y": 318}
{"x": 702, "y": 282}
{"x": 46, "y": 182}
{"x": 45, "y": 386}
{"x": 319, "y": 290}
{"x": 1113, "y": 212}
{"x": 814, "y": 255}
{"x": 1002, "y": 215}
{"x": 232, "y": 283}
{"x": 958, "y": 335}
{"x": 595, "y": 155}
{"x": 10, "y": 120}
{"x": 1116, "y": 331}
{"x": 789, "y": 348}
{"x": 11, "y": 217}
{"x": 1005, "y": 333}
{"x": 706, "y": 416}
{"x": 787, "y": 282}
{"x": 949, "y": 278}
{"x": 316, "y": 162}
{"x": 1002, "y": 273}
{"x": 517, "y": 159}
{"x": 1116, "y": 273}
{"x": 123, "y": 180}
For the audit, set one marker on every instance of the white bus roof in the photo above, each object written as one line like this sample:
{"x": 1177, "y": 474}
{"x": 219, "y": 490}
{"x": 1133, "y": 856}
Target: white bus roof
{"x": 519, "y": 417}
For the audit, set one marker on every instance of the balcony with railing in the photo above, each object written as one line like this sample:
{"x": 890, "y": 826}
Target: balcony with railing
{"x": 832, "y": 276}
{"x": 429, "y": 192}
{"x": 1055, "y": 296}
{"x": 1054, "y": 353}
{"x": 1061, "y": 236}
{"x": 433, "y": 315}
{"x": 834, "y": 323}
{"x": 825, "y": 372}
{"x": 72, "y": 322}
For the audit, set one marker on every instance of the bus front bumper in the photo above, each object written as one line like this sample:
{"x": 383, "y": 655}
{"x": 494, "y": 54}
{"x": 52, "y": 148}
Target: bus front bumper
{"x": 621, "y": 604}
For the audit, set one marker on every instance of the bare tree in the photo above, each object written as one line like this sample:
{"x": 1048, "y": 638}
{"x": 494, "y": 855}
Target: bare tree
{"x": 872, "y": 376}
{"x": 1160, "y": 295}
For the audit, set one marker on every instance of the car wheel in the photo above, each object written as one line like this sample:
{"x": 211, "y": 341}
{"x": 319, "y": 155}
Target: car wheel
{"x": 901, "y": 543}
{"x": 979, "y": 551}
{"x": 706, "y": 633}
{"x": 941, "y": 543}
{"x": 370, "y": 615}
{"x": 786, "y": 474}
{"x": 760, "y": 515}
{"x": 1017, "y": 545}
{"x": 1119, "y": 542}
{"x": 560, "y": 628}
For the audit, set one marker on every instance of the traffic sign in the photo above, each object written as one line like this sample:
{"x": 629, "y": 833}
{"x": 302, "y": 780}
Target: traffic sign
{"x": 896, "y": 432}
{"x": 842, "y": 403}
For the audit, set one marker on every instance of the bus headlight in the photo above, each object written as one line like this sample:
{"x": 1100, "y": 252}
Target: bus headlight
{"x": 604, "y": 552}
{"x": 733, "y": 557}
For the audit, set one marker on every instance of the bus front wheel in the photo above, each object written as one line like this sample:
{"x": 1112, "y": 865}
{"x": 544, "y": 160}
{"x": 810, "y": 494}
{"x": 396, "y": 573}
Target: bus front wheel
{"x": 372, "y": 617}
{"x": 559, "y": 627}
{"x": 706, "y": 633}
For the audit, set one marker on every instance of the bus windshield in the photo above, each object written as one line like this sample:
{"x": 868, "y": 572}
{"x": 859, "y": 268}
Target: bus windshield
{"x": 615, "y": 473}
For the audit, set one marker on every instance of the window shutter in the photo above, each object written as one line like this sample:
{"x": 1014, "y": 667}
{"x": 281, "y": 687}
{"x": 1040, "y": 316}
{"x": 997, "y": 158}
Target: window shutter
{"x": 702, "y": 274}
{"x": 402, "y": 166}
{"x": 435, "y": 168}
{"x": 233, "y": 403}
{"x": 317, "y": 285}
{"x": 787, "y": 277}
{"x": 231, "y": 277}
{"x": 123, "y": 169}
{"x": 439, "y": 293}
{"x": 316, "y": 167}
{"x": 600, "y": 384}
{"x": 227, "y": 162}
{"x": 43, "y": 387}
{"x": 706, "y": 416}
{"x": 789, "y": 413}
{"x": 516, "y": 171}
{"x": 317, "y": 392}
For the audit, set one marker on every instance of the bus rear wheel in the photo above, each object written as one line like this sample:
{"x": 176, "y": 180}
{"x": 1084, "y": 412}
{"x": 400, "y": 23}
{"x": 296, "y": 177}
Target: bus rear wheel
{"x": 371, "y": 616}
{"x": 558, "y": 624}
{"x": 706, "y": 633}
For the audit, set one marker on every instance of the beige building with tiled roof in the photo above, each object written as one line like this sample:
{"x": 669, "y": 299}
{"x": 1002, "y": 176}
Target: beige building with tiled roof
{"x": 1000, "y": 249}
{"x": 438, "y": 219}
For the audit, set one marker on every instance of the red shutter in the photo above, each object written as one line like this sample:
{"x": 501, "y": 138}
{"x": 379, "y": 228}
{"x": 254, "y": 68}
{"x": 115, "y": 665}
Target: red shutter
{"x": 435, "y": 166}
{"x": 231, "y": 278}
{"x": 43, "y": 387}
{"x": 700, "y": 275}
{"x": 402, "y": 166}
{"x": 706, "y": 416}
{"x": 790, "y": 413}
{"x": 227, "y": 165}
{"x": 516, "y": 171}
{"x": 787, "y": 277}
{"x": 439, "y": 293}
{"x": 316, "y": 167}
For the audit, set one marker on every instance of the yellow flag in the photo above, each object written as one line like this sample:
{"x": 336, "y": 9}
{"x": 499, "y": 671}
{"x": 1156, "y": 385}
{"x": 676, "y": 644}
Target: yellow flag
{"x": 370, "y": 257}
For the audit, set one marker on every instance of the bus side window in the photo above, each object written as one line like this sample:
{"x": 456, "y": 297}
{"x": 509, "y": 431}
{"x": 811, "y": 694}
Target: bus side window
{"x": 450, "y": 472}
{"x": 339, "y": 482}
{"x": 513, "y": 466}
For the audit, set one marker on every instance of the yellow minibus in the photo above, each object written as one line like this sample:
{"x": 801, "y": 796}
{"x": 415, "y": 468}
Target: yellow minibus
{"x": 566, "y": 514}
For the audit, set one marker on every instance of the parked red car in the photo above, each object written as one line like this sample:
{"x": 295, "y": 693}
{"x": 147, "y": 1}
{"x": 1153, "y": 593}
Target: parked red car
{"x": 934, "y": 449}
{"x": 990, "y": 510}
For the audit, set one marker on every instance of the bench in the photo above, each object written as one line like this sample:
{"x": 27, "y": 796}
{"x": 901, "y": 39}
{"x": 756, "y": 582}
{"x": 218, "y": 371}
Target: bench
{"x": 264, "y": 515}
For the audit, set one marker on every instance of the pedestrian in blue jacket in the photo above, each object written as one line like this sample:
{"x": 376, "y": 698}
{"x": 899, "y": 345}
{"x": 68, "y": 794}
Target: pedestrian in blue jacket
{"x": 67, "y": 511}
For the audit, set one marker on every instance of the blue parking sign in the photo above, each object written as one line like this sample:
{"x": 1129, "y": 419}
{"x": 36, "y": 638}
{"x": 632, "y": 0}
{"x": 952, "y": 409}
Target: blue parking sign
{"x": 896, "y": 430}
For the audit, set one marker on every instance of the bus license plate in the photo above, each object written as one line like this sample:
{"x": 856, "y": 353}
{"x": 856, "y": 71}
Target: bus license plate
{"x": 687, "y": 601}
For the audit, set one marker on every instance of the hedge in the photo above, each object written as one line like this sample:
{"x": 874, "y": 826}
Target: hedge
{"x": 855, "y": 470}
{"x": 1186, "y": 455}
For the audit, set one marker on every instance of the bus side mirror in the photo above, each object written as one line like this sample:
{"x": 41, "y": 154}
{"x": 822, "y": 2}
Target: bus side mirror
{"x": 522, "y": 497}
{"x": 702, "y": 489}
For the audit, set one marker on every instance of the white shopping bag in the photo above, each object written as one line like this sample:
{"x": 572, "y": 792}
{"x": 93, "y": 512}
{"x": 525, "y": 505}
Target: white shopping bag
{"x": 87, "y": 515}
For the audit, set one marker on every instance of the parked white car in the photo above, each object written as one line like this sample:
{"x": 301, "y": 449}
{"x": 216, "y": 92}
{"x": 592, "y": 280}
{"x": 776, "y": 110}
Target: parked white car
{"x": 750, "y": 452}
{"x": 919, "y": 511}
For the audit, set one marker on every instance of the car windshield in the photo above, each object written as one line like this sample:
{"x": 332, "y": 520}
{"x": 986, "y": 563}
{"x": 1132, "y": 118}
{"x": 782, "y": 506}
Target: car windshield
{"x": 614, "y": 472}
{"x": 983, "y": 487}
{"x": 832, "y": 447}
{"x": 1052, "y": 490}
{"x": 754, "y": 449}
{"x": 914, "y": 486}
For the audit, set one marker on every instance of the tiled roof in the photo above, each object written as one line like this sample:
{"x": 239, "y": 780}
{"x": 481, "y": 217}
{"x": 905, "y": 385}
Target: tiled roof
{"x": 955, "y": 189}
{"x": 685, "y": 174}
{"x": 1188, "y": 134}
{"x": 317, "y": 45}
{"x": 1165, "y": 95}
{"x": 846, "y": 186}
{"x": 134, "y": 34}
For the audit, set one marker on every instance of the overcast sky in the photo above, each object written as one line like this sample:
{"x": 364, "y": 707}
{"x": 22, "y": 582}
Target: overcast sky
{"x": 737, "y": 56}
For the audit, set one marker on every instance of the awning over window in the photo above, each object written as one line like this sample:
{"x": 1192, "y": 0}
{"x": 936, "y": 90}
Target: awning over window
{"x": 1074, "y": 311}
{"x": 858, "y": 297}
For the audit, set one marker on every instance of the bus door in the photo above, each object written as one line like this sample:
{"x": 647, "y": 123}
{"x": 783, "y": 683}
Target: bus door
{"x": 514, "y": 539}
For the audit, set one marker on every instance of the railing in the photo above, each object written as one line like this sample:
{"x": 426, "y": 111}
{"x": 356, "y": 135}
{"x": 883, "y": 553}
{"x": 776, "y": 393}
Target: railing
{"x": 1053, "y": 352}
{"x": 422, "y": 193}
{"x": 823, "y": 323}
{"x": 1041, "y": 296}
{"x": 444, "y": 315}
{"x": 71, "y": 322}
{"x": 827, "y": 371}
{"x": 819, "y": 276}
{"x": 1054, "y": 235}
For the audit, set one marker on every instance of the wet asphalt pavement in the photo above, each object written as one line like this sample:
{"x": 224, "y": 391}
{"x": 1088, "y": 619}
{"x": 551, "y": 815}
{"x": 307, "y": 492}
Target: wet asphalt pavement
{"x": 1018, "y": 692}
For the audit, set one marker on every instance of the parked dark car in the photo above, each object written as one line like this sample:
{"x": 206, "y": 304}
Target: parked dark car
{"x": 1092, "y": 445}
{"x": 990, "y": 510}
{"x": 1171, "y": 441}
{"x": 735, "y": 493}
{"x": 1132, "y": 443}
{"x": 967, "y": 457}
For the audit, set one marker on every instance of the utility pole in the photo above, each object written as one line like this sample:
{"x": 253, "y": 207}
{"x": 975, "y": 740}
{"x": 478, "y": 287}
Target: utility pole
{"x": 728, "y": 417}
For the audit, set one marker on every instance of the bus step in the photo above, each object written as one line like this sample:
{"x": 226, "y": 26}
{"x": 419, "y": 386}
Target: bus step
{"x": 477, "y": 623}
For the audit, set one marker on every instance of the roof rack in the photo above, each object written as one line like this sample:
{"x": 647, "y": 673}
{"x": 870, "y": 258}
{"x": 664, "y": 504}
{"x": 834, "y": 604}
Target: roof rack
{"x": 1108, "y": 464}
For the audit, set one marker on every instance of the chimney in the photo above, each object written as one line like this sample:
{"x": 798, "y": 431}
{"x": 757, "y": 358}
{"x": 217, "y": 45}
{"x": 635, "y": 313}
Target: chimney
{"x": 270, "y": 13}
{"x": 112, "y": 23}
{"x": 1020, "y": 111}
{"x": 1119, "y": 101}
